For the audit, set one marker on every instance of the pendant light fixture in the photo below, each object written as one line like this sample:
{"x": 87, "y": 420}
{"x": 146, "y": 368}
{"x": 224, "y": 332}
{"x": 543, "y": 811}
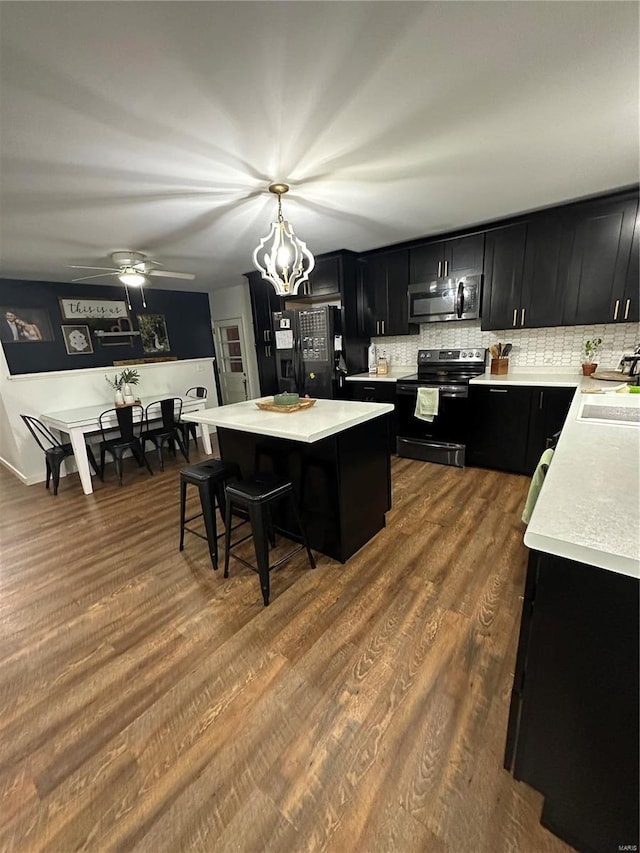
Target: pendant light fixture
{"x": 281, "y": 257}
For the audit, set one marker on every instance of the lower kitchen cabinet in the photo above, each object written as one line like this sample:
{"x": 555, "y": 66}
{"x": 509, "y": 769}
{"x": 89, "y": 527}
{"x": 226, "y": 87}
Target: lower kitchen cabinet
{"x": 376, "y": 392}
{"x": 510, "y": 425}
{"x": 548, "y": 412}
{"x": 499, "y": 427}
{"x": 573, "y": 722}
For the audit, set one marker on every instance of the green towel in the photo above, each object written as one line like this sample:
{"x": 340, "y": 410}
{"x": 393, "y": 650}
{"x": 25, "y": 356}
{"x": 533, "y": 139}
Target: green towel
{"x": 427, "y": 402}
{"x": 536, "y": 484}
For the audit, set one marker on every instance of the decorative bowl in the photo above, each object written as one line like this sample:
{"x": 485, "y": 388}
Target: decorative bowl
{"x": 287, "y": 398}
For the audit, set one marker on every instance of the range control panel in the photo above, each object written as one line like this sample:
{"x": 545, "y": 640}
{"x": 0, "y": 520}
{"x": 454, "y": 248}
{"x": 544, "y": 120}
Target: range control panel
{"x": 313, "y": 335}
{"x": 451, "y": 356}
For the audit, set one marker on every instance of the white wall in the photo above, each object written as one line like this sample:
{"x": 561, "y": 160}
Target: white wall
{"x": 38, "y": 393}
{"x": 234, "y": 301}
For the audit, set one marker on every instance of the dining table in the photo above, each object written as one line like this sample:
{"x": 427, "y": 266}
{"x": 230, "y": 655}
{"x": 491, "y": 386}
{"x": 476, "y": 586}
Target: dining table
{"x": 81, "y": 422}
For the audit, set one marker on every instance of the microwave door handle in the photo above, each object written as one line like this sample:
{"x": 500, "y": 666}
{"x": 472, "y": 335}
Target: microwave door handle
{"x": 460, "y": 300}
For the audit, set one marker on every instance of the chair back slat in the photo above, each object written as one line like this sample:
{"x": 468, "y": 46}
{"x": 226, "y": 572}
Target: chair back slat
{"x": 45, "y": 439}
{"x": 198, "y": 391}
{"x": 129, "y": 420}
{"x": 169, "y": 411}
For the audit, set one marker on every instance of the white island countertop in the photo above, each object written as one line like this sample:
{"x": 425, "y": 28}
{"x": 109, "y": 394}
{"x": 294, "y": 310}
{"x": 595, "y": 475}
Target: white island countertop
{"x": 325, "y": 418}
{"x": 588, "y": 509}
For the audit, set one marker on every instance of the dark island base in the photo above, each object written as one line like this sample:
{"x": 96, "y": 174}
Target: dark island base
{"x": 343, "y": 483}
{"x": 573, "y": 722}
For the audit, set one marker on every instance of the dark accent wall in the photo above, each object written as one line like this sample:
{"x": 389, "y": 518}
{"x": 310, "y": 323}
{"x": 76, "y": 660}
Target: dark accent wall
{"x": 187, "y": 317}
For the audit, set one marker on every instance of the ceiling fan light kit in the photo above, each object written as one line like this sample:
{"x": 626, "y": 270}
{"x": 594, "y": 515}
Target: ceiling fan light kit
{"x": 133, "y": 270}
{"x": 283, "y": 259}
{"x": 131, "y": 277}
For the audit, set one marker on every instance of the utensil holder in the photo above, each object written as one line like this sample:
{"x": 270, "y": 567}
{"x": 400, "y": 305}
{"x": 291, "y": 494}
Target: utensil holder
{"x": 499, "y": 365}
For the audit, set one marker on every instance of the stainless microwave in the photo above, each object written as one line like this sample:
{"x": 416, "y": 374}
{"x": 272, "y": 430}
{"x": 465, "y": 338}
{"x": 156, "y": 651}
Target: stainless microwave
{"x": 454, "y": 298}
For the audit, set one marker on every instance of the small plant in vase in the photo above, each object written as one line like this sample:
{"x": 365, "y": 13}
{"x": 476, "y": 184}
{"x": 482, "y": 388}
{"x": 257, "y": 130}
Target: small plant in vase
{"x": 122, "y": 385}
{"x": 591, "y": 350}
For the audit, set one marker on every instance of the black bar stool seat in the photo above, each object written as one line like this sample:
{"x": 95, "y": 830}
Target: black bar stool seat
{"x": 256, "y": 497}
{"x": 210, "y": 478}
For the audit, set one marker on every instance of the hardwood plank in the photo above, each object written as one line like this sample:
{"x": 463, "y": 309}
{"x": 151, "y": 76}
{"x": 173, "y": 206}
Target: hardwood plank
{"x": 147, "y": 703}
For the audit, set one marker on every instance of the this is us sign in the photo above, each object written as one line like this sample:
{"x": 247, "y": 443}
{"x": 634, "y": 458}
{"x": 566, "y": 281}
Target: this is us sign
{"x": 93, "y": 309}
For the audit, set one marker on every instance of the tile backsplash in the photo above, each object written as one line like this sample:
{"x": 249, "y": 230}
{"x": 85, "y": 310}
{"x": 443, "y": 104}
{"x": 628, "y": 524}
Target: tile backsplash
{"x": 560, "y": 346}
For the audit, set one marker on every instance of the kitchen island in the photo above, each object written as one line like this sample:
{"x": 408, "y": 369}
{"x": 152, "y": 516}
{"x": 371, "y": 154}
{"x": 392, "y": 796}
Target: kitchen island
{"x": 573, "y": 722}
{"x": 336, "y": 453}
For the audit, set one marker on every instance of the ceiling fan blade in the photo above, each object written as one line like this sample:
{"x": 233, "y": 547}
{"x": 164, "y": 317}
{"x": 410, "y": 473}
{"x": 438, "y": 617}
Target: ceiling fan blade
{"x": 79, "y": 267}
{"x": 99, "y": 275}
{"x": 185, "y": 275}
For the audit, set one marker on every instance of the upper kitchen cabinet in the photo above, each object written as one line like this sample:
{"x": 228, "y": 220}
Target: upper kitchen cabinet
{"x": 522, "y": 274}
{"x": 325, "y": 279}
{"x": 503, "y": 276}
{"x": 385, "y": 281}
{"x": 630, "y": 311}
{"x": 443, "y": 258}
{"x": 602, "y": 279}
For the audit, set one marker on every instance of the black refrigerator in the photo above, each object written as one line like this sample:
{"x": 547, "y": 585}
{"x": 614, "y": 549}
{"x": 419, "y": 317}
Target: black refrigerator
{"x": 308, "y": 350}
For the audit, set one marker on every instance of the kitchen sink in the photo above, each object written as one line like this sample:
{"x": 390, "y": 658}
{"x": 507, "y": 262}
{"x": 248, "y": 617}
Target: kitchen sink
{"x": 609, "y": 413}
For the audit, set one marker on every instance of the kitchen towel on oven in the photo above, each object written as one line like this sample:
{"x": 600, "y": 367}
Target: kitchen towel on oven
{"x": 427, "y": 402}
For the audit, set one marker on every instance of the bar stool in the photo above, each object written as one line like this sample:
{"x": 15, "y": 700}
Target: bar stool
{"x": 210, "y": 478}
{"x": 256, "y": 496}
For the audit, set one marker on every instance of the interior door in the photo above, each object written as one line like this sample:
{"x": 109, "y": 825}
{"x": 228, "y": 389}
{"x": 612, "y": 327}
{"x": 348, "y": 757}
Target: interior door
{"x": 231, "y": 361}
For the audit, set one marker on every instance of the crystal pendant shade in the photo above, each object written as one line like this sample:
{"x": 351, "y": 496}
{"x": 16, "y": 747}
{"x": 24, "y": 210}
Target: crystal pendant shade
{"x": 282, "y": 258}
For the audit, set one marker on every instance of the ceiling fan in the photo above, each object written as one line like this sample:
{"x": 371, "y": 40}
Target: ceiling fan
{"x": 133, "y": 269}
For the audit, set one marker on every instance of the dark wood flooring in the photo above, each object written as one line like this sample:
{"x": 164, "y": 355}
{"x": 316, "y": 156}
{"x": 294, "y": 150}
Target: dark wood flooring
{"x": 148, "y": 704}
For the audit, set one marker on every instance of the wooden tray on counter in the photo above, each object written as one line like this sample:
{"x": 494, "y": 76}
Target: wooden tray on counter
{"x": 294, "y": 407}
{"x": 613, "y": 376}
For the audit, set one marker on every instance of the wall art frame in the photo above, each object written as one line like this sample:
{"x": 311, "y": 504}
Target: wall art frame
{"x": 25, "y": 325}
{"x": 77, "y": 339}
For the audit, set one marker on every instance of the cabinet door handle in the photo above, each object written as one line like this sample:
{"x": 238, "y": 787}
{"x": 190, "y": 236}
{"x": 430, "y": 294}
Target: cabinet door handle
{"x": 541, "y": 400}
{"x": 522, "y": 317}
{"x": 446, "y": 268}
{"x": 439, "y": 268}
{"x": 383, "y": 327}
{"x": 615, "y": 310}
{"x": 626, "y": 309}
{"x": 498, "y": 390}
{"x": 515, "y": 317}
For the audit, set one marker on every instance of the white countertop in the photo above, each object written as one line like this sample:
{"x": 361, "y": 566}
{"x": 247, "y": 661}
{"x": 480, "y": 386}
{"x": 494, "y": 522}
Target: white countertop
{"x": 589, "y": 506}
{"x": 395, "y": 373}
{"x": 325, "y": 418}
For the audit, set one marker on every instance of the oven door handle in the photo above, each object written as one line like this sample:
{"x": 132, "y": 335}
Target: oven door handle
{"x": 412, "y": 391}
{"x": 460, "y": 300}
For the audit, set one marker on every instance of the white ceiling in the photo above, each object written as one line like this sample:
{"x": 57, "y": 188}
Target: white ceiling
{"x": 157, "y": 126}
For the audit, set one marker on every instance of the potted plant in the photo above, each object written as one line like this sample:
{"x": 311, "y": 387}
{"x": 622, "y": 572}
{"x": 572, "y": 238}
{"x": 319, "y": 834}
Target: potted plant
{"x": 591, "y": 349}
{"x": 122, "y": 385}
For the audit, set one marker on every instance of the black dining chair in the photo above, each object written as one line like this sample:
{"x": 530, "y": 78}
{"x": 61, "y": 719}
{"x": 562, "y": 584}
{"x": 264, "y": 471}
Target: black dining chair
{"x": 129, "y": 421}
{"x": 167, "y": 414}
{"x": 55, "y": 452}
{"x": 188, "y": 429}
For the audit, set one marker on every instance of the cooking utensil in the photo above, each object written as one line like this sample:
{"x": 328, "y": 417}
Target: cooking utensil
{"x": 506, "y": 350}
{"x": 493, "y": 350}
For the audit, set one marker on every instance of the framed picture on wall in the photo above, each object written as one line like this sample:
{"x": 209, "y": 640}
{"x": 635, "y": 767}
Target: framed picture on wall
{"x": 24, "y": 325}
{"x": 77, "y": 340}
{"x": 153, "y": 331}
{"x": 101, "y": 316}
